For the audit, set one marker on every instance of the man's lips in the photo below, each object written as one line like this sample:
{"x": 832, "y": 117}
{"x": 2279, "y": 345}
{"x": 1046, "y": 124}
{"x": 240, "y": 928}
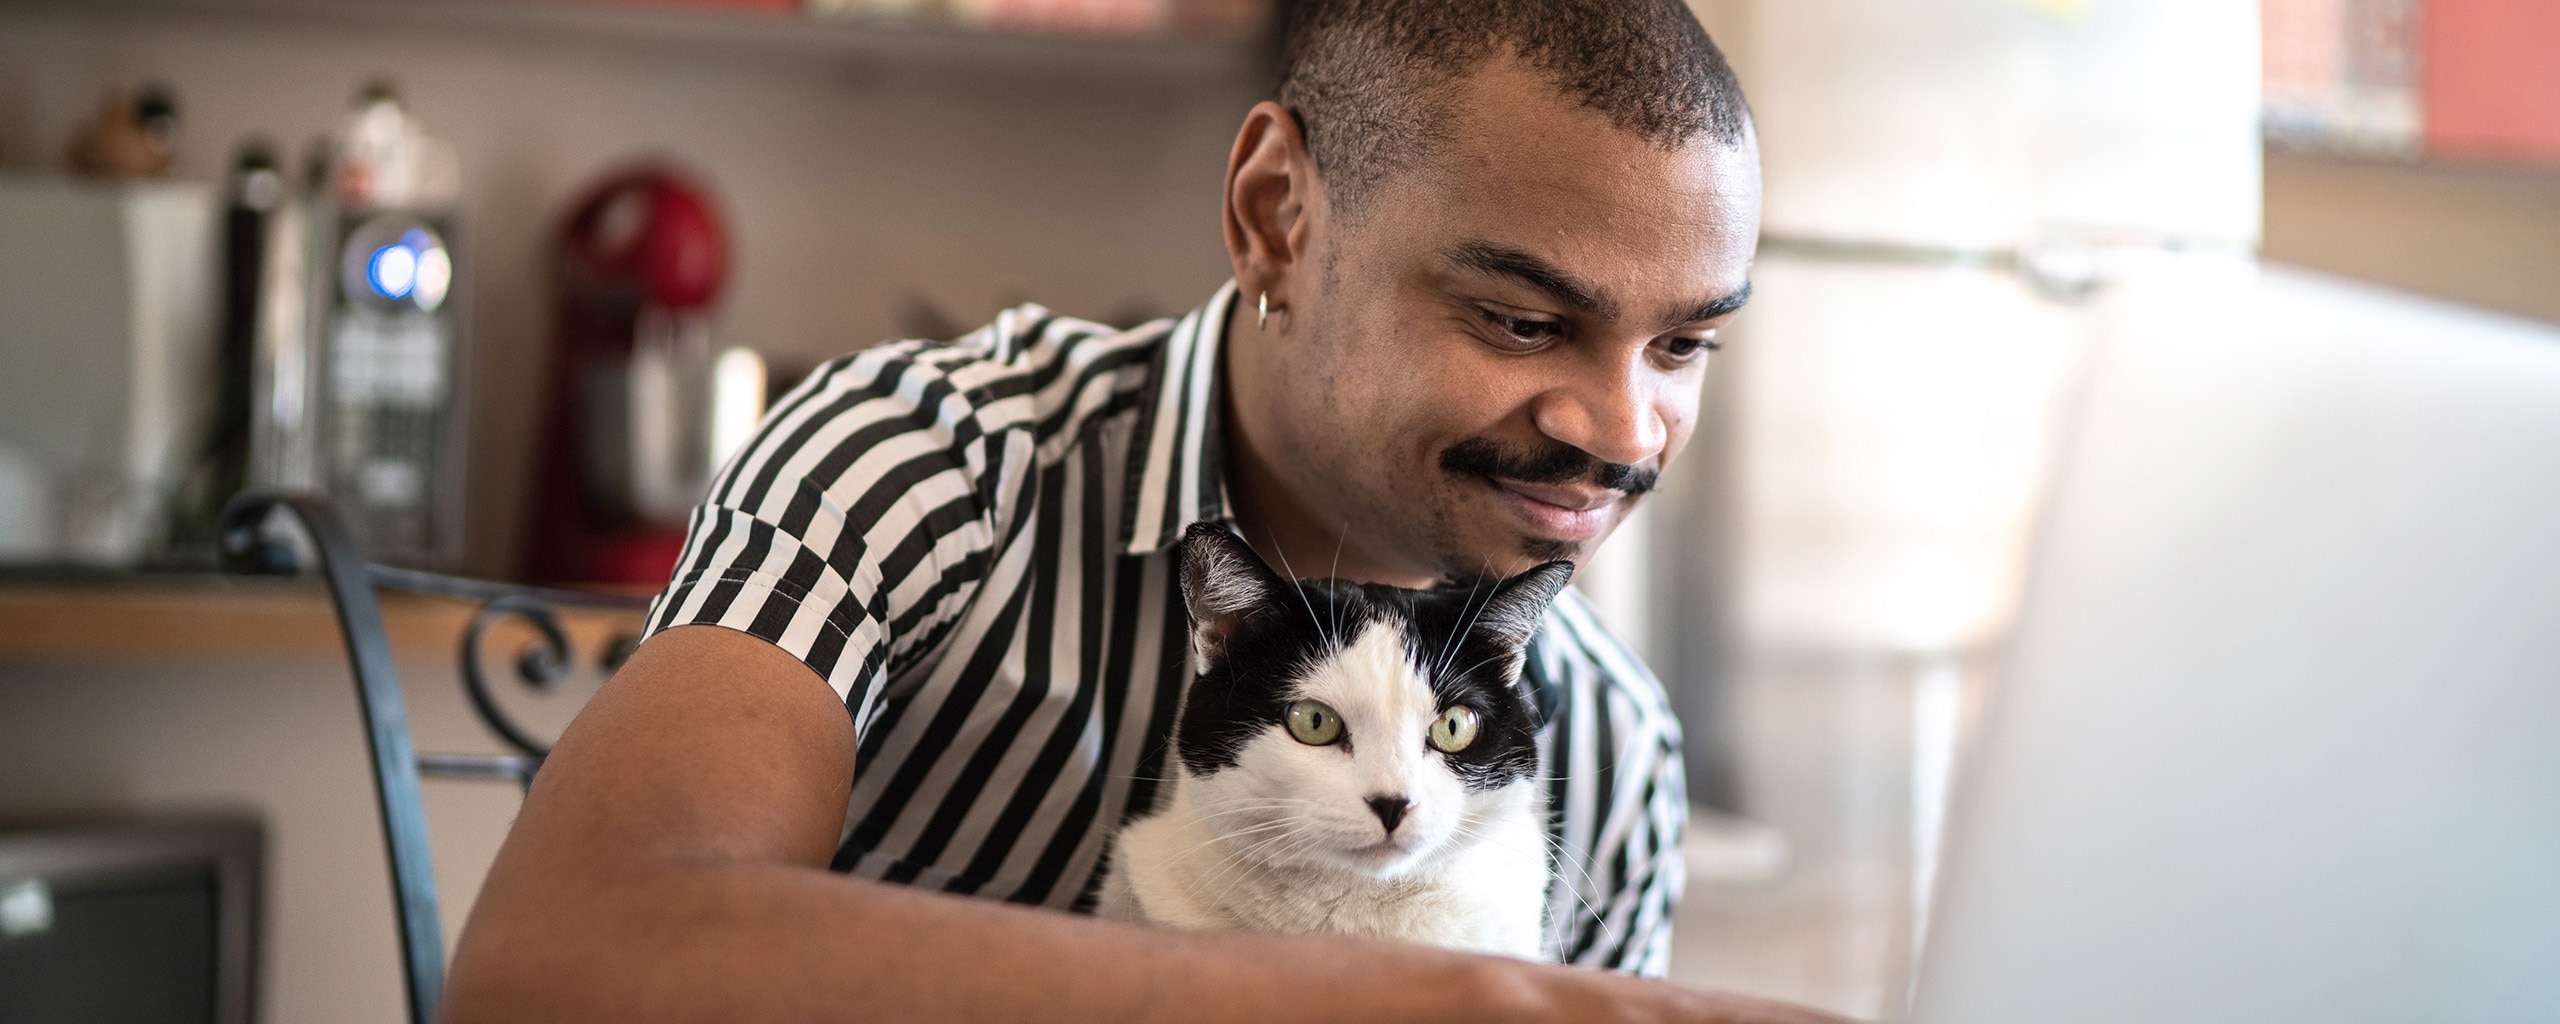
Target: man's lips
{"x": 1563, "y": 496}
{"x": 1560, "y": 511}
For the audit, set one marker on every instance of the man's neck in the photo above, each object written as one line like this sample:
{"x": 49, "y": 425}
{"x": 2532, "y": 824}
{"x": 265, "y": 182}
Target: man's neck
{"x": 1286, "y": 527}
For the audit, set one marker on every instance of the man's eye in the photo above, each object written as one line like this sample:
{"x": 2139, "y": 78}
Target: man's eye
{"x": 1526, "y": 333}
{"x": 1681, "y": 347}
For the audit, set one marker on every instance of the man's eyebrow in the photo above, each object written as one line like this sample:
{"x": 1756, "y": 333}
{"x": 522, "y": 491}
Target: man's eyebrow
{"x": 1528, "y": 269}
{"x": 1714, "y": 308}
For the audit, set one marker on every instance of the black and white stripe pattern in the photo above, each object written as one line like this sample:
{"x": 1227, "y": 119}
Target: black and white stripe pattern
{"x": 971, "y": 541}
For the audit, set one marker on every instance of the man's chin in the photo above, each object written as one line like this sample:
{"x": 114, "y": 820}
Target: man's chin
{"x": 1499, "y": 550}
{"x": 1541, "y": 551}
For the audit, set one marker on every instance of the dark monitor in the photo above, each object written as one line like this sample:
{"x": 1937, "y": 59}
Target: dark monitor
{"x": 141, "y": 921}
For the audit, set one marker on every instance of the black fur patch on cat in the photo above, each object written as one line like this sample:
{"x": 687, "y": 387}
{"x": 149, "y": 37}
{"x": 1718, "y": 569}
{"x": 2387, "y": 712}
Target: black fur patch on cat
{"x": 1260, "y": 633}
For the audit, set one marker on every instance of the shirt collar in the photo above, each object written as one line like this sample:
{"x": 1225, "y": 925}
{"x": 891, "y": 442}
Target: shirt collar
{"x": 1179, "y": 445}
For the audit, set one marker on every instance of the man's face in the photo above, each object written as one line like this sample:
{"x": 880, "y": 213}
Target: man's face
{"x": 1500, "y": 352}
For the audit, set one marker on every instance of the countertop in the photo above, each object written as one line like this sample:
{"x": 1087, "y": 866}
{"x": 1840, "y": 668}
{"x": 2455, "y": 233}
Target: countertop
{"x": 158, "y": 616}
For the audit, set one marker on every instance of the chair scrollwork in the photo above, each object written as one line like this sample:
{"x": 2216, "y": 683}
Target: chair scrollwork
{"x": 251, "y": 543}
{"x": 250, "y": 547}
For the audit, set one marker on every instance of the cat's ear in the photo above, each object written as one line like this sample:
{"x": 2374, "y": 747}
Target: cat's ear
{"x": 1511, "y": 616}
{"x": 1222, "y": 582}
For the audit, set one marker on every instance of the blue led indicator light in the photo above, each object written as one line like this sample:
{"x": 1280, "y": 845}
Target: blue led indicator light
{"x": 393, "y": 271}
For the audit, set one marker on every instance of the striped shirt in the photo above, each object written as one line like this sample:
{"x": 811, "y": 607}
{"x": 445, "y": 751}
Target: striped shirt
{"x": 972, "y": 542}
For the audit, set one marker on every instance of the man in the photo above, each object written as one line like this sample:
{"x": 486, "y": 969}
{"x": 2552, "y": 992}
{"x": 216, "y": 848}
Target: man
{"x": 927, "y": 632}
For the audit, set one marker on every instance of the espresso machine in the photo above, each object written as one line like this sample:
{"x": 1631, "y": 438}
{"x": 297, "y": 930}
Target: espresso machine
{"x": 360, "y": 333}
{"x": 642, "y": 407}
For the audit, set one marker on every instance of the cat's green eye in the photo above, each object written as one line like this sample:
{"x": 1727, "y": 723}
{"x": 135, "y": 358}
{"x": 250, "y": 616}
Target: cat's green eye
{"x": 1454, "y": 729}
{"x": 1314, "y": 723}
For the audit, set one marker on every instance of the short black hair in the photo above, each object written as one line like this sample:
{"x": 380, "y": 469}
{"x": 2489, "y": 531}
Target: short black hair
{"x": 1368, "y": 79}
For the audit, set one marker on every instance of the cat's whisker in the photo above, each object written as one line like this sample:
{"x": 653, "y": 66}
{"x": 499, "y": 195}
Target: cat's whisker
{"x": 1244, "y": 812}
{"x": 1564, "y": 860}
{"x": 1266, "y": 827}
{"x": 1487, "y": 661}
{"x": 1277, "y": 805}
{"x": 1259, "y": 806}
{"x": 1232, "y": 835}
{"x": 1228, "y": 859}
{"x": 1224, "y": 834}
{"x": 1238, "y": 858}
{"x": 1333, "y": 601}
{"x": 1577, "y": 890}
{"x": 1231, "y": 855}
{"x": 1309, "y": 840}
{"x": 1565, "y": 855}
{"x": 1449, "y": 648}
{"x": 1548, "y": 779}
{"x": 1269, "y": 849}
{"x": 1310, "y": 606}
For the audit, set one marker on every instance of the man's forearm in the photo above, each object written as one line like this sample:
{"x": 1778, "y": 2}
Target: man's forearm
{"x": 764, "y": 942}
{"x": 768, "y": 942}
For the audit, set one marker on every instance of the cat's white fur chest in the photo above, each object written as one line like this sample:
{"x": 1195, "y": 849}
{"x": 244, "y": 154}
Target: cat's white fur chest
{"x": 1487, "y": 895}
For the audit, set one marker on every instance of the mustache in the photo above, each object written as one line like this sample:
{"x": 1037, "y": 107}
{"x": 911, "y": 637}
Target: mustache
{"x": 1558, "y": 463}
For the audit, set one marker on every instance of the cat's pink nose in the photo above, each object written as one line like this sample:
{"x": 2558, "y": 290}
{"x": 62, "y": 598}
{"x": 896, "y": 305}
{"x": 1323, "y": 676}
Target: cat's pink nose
{"x": 1390, "y": 810}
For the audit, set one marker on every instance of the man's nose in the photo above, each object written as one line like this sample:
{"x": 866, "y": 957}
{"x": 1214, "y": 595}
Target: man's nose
{"x": 1610, "y": 416}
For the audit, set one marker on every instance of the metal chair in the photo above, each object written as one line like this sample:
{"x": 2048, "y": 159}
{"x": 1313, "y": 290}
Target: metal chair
{"x": 248, "y": 547}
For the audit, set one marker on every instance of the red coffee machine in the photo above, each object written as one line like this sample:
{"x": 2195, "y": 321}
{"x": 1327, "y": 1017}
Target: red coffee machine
{"x": 634, "y": 388}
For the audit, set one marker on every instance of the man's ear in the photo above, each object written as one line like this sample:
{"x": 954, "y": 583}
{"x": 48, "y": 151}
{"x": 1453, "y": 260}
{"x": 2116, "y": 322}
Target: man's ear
{"x": 1271, "y": 185}
{"x": 1512, "y": 615}
{"x": 1223, "y": 582}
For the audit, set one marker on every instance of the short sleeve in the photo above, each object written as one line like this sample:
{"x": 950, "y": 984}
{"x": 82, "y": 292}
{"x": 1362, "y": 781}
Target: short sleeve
{"x": 853, "y": 529}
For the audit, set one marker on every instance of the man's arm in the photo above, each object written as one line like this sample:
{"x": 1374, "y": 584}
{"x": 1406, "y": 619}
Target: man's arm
{"x": 670, "y": 864}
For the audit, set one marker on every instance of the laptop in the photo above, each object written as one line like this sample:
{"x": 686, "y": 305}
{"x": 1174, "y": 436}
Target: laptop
{"x": 2278, "y": 738}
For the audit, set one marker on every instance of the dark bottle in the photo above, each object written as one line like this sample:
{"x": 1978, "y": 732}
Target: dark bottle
{"x": 221, "y": 465}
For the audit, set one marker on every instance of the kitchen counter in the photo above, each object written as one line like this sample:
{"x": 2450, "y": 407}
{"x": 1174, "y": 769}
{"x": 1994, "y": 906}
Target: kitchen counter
{"x": 178, "y": 616}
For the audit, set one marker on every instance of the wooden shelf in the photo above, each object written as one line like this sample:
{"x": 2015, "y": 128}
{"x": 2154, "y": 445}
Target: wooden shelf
{"x": 180, "y": 617}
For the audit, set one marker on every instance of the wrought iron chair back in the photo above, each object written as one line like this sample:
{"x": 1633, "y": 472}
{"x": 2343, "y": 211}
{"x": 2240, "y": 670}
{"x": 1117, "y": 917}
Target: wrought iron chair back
{"x": 249, "y": 548}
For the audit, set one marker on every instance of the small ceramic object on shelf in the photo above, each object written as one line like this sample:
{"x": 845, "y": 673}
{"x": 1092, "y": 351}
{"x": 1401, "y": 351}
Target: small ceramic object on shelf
{"x": 133, "y": 135}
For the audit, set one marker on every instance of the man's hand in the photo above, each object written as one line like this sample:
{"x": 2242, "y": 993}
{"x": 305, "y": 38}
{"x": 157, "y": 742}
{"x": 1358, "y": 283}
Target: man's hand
{"x": 670, "y": 864}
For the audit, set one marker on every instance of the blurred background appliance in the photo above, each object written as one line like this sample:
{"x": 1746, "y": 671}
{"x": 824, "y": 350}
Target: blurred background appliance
{"x": 361, "y": 329}
{"x": 642, "y": 408}
{"x": 131, "y": 920}
{"x": 108, "y": 335}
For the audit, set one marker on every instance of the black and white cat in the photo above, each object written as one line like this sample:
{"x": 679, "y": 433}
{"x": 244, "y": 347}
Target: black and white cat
{"x": 1352, "y": 759}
